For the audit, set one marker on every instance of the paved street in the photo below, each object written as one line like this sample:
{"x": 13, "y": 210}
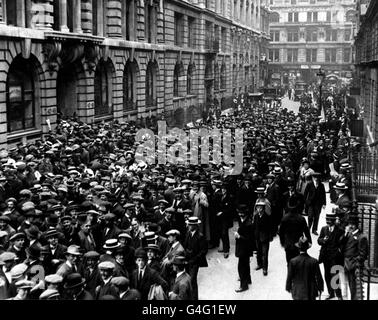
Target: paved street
{"x": 220, "y": 279}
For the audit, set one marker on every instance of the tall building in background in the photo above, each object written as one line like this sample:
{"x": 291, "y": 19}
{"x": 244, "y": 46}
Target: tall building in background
{"x": 308, "y": 34}
{"x": 100, "y": 60}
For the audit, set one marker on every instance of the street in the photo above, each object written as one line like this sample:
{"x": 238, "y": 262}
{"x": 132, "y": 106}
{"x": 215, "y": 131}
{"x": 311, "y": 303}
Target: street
{"x": 220, "y": 279}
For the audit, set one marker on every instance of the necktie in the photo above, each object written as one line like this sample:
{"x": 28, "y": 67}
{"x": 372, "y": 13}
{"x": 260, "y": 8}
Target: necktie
{"x": 140, "y": 276}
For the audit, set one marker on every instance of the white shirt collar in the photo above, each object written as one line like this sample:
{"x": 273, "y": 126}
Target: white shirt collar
{"x": 354, "y": 232}
{"x": 175, "y": 244}
{"x": 179, "y": 273}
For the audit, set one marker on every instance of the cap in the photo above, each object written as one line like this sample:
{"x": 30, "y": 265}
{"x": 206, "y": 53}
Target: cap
{"x": 106, "y": 265}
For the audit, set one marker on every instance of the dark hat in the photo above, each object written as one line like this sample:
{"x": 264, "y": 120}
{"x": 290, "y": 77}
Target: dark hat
{"x": 34, "y": 252}
{"x": 242, "y": 208}
{"x": 140, "y": 253}
{"x": 179, "y": 260}
{"x": 154, "y": 227}
{"x": 33, "y": 232}
{"x": 154, "y": 247}
{"x": 303, "y": 243}
{"x": 74, "y": 280}
{"x": 51, "y": 233}
{"x": 65, "y": 218}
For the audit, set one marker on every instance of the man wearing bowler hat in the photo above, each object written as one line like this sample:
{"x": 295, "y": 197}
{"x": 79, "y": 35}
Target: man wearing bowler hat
{"x": 304, "y": 279}
{"x": 196, "y": 249}
{"x": 74, "y": 288}
{"x": 355, "y": 249}
{"x": 330, "y": 240}
{"x": 244, "y": 246}
{"x": 182, "y": 286}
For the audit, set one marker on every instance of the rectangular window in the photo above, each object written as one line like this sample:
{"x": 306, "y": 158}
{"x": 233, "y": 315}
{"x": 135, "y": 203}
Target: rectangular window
{"x": 347, "y": 34}
{"x": 274, "y": 55}
{"x": 309, "y": 15}
{"x": 191, "y": 32}
{"x": 275, "y": 36}
{"x": 311, "y": 55}
{"x": 312, "y": 35}
{"x": 330, "y": 55}
{"x": 292, "y": 55}
{"x": 328, "y": 16}
{"x": 224, "y": 39}
{"x": 346, "y": 55}
{"x": 179, "y": 29}
{"x": 314, "y": 17}
{"x": 292, "y": 36}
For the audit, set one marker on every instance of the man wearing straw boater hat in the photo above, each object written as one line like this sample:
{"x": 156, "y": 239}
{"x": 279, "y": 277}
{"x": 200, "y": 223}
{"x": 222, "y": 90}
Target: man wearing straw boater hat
{"x": 330, "y": 240}
{"x": 304, "y": 279}
{"x": 196, "y": 248}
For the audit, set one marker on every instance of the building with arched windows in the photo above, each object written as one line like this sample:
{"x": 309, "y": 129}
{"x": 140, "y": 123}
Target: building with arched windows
{"x": 308, "y": 34}
{"x": 101, "y": 60}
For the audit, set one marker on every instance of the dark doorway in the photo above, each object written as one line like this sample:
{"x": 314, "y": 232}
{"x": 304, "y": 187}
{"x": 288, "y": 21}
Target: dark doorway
{"x": 67, "y": 92}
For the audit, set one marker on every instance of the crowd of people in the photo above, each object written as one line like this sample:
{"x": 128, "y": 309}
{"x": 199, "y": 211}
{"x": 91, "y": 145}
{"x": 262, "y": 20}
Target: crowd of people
{"x": 82, "y": 219}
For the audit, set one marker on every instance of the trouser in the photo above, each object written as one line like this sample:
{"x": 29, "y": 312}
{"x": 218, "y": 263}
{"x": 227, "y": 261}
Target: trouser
{"x": 313, "y": 217}
{"x": 332, "y": 280}
{"x": 291, "y": 253}
{"x": 193, "y": 272}
{"x": 352, "y": 283}
{"x": 262, "y": 254}
{"x": 244, "y": 271}
{"x": 222, "y": 227}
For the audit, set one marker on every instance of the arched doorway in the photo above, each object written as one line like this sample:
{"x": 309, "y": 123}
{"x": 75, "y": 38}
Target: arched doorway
{"x": 66, "y": 87}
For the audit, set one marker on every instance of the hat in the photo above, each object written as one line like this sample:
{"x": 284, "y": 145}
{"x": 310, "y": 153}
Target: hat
{"x": 111, "y": 244}
{"x": 193, "y": 221}
{"x": 345, "y": 166}
{"x": 74, "y": 280}
{"x": 18, "y": 270}
{"x": 49, "y": 294}
{"x": 260, "y": 190}
{"x": 106, "y": 265}
{"x": 7, "y": 256}
{"x": 303, "y": 243}
{"x": 170, "y": 181}
{"x": 173, "y": 232}
{"x": 277, "y": 170}
{"x": 34, "y": 252}
{"x": 124, "y": 235}
{"x": 92, "y": 255}
{"x": 24, "y": 284}
{"x": 51, "y": 233}
{"x": 109, "y": 216}
{"x": 340, "y": 186}
{"x": 242, "y": 208}
{"x": 331, "y": 216}
{"x": 129, "y": 205}
{"x": 65, "y": 218}
{"x": 154, "y": 247}
{"x": 33, "y": 232}
{"x": 179, "y": 260}
{"x": 74, "y": 250}
{"x": 260, "y": 203}
{"x": 54, "y": 278}
{"x": 270, "y": 176}
{"x": 165, "y": 202}
{"x": 5, "y": 219}
{"x": 150, "y": 235}
{"x": 186, "y": 181}
{"x": 140, "y": 253}
{"x": 122, "y": 282}
{"x": 154, "y": 227}
{"x": 17, "y": 236}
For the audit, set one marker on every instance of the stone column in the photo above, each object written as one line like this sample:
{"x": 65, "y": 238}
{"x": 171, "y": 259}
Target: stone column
{"x": 63, "y": 16}
{"x": 20, "y": 5}
{"x": 77, "y": 16}
{"x": 40, "y": 14}
{"x": 2, "y": 12}
{"x": 114, "y": 15}
{"x": 86, "y": 16}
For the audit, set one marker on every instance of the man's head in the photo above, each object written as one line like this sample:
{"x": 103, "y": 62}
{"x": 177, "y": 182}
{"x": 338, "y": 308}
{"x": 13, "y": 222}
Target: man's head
{"x": 106, "y": 269}
{"x": 330, "y": 219}
{"x": 140, "y": 258}
{"x": 173, "y": 235}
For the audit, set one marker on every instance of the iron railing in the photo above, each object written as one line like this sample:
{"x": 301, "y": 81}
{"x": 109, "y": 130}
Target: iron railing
{"x": 366, "y": 169}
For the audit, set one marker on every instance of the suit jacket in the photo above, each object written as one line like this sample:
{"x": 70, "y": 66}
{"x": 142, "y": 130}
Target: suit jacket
{"x": 113, "y": 233}
{"x": 150, "y": 277}
{"x": 344, "y": 202}
{"x": 292, "y": 227}
{"x": 92, "y": 280}
{"x": 315, "y": 197}
{"x": 355, "y": 250}
{"x": 106, "y": 289}
{"x": 304, "y": 279}
{"x": 196, "y": 249}
{"x": 226, "y": 206}
{"x": 182, "y": 288}
{"x": 64, "y": 270}
{"x": 131, "y": 294}
{"x": 273, "y": 195}
{"x": 296, "y": 197}
{"x": 262, "y": 227}
{"x": 173, "y": 252}
{"x": 84, "y": 242}
{"x": 330, "y": 243}
{"x": 244, "y": 246}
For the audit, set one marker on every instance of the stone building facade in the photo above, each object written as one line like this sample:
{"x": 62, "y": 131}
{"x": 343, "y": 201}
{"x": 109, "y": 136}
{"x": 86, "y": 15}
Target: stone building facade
{"x": 100, "y": 60}
{"x": 309, "y": 34}
{"x": 366, "y": 46}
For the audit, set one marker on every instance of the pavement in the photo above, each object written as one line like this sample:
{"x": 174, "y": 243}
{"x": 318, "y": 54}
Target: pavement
{"x": 220, "y": 279}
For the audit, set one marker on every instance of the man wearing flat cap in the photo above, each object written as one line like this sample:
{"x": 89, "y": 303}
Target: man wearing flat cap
{"x": 125, "y": 293}
{"x": 106, "y": 287}
{"x": 330, "y": 240}
{"x": 17, "y": 246}
{"x": 56, "y": 250}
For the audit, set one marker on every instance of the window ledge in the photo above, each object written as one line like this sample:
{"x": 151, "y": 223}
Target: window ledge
{"x": 19, "y": 134}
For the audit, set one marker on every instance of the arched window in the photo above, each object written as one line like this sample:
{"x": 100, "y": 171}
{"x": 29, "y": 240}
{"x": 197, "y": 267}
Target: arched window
{"x": 151, "y": 84}
{"x": 102, "y": 90}
{"x": 129, "y": 86}
{"x": 274, "y": 17}
{"x": 216, "y": 75}
{"x": 176, "y": 76}
{"x": 21, "y": 96}
{"x": 223, "y": 76}
{"x": 189, "y": 80}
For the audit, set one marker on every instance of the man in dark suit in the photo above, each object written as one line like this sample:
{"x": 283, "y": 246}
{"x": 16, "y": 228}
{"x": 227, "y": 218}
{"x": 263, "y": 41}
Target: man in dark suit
{"x": 292, "y": 227}
{"x": 262, "y": 232}
{"x": 180, "y": 204}
{"x": 355, "y": 251}
{"x": 274, "y": 195}
{"x": 315, "y": 200}
{"x": 57, "y": 251}
{"x": 182, "y": 287}
{"x": 74, "y": 288}
{"x": 293, "y": 196}
{"x": 195, "y": 246}
{"x": 144, "y": 277}
{"x": 244, "y": 246}
{"x": 125, "y": 293}
{"x": 224, "y": 217}
{"x": 304, "y": 279}
{"x": 343, "y": 203}
{"x": 111, "y": 231}
{"x": 330, "y": 239}
{"x": 106, "y": 287}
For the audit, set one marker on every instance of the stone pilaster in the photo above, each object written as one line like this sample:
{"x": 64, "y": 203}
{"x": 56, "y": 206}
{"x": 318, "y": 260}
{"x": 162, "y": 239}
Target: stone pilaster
{"x": 86, "y": 16}
{"x": 114, "y": 18}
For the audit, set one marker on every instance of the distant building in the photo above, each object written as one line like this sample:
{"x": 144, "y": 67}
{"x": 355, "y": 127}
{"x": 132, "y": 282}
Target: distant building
{"x": 100, "y": 60}
{"x": 308, "y": 34}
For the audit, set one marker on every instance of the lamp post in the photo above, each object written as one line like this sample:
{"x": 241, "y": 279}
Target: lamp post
{"x": 321, "y": 76}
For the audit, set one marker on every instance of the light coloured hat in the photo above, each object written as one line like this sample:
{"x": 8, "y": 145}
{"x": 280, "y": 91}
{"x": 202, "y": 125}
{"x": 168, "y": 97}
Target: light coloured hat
{"x": 18, "y": 270}
{"x": 106, "y": 265}
{"x": 74, "y": 250}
